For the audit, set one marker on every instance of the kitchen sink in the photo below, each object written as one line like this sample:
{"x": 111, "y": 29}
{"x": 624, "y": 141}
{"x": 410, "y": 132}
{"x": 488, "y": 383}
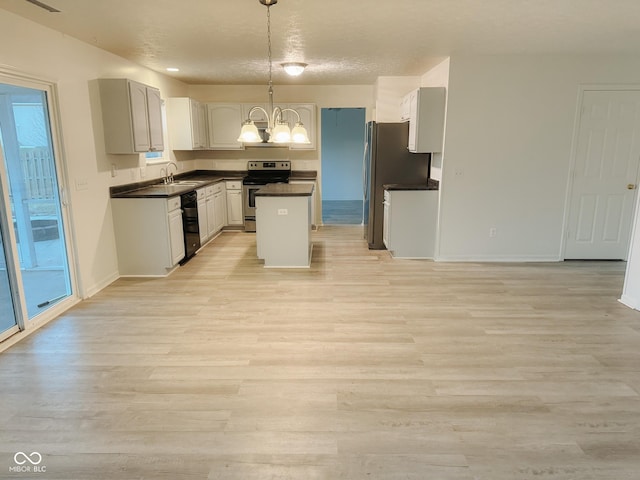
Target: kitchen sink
{"x": 186, "y": 182}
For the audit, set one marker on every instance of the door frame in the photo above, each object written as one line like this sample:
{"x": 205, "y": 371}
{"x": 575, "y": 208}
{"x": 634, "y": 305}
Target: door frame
{"x": 574, "y": 152}
{"x": 14, "y": 77}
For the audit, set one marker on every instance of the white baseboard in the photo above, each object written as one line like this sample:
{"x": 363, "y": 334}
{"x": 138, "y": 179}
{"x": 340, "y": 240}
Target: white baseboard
{"x": 630, "y": 302}
{"x": 497, "y": 258}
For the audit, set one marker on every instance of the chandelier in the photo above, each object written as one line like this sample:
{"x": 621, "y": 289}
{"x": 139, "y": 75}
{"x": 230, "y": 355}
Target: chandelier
{"x": 277, "y": 127}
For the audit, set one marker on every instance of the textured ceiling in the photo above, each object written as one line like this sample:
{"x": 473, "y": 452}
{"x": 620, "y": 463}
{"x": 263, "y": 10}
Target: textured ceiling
{"x": 343, "y": 41}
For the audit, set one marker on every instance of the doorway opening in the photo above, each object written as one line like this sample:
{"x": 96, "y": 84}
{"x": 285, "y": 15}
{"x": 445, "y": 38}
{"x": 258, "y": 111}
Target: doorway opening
{"x": 343, "y": 132}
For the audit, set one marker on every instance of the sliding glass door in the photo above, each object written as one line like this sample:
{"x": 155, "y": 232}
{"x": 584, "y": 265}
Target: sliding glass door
{"x": 36, "y": 262}
{"x": 8, "y": 318}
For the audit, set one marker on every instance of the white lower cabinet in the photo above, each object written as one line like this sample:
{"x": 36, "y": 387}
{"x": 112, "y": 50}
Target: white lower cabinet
{"x": 220, "y": 208}
{"x": 212, "y": 211}
{"x": 234, "y": 203}
{"x": 202, "y": 216}
{"x": 149, "y": 235}
{"x": 313, "y": 198}
{"x": 410, "y": 222}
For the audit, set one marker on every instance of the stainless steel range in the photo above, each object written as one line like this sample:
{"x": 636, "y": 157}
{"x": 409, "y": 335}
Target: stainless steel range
{"x": 261, "y": 173}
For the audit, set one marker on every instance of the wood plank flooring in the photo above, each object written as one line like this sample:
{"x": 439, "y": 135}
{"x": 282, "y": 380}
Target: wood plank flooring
{"x": 361, "y": 367}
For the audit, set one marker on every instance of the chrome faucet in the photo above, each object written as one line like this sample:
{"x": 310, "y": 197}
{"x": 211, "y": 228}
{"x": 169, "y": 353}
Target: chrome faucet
{"x": 169, "y": 175}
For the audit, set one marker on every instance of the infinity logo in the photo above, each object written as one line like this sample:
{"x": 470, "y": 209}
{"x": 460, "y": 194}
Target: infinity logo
{"x": 34, "y": 459}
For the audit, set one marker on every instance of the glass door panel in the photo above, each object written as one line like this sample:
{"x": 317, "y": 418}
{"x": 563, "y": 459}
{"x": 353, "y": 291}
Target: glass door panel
{"x": 35, "y": 209}
{"x": 8, "y": 318}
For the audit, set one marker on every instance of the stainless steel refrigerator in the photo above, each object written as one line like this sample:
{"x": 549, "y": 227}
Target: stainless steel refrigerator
{"x": 387, "y": 161}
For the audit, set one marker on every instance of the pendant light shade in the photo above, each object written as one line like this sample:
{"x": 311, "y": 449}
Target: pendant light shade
{"x": 249, "y": 133}
{"x": 280, "y": 133}
{"x": 277, "y": 128}
{"x": 299, "y": 134}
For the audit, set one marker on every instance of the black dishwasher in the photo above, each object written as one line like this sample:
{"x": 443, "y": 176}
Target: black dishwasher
{"x": 189, "y": 205}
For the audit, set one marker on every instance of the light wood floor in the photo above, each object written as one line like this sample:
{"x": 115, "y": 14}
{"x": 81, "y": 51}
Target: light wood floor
{"x": 362, "y": 367}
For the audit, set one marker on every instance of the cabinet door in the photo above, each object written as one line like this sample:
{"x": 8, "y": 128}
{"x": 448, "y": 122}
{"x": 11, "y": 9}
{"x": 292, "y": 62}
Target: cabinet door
{"x": 202, "y": 221}
{"x": 225, "y": 122}
{"x": 234, "y": 207}
{"x": 386, "y": 224}
{"x": 211, "y": 217}
{"x": 220, "y": 207}
{"x": 203, "y": 140}
{"x": 194, "y": 113}
{"x": 139, "y": 116}
{"x": 313, "y": 198}
{"x": 176, "y": 235}
{"x": 154, "y": 105}
{"x": 413, "y": 120}
{"x": 307, "y": 113}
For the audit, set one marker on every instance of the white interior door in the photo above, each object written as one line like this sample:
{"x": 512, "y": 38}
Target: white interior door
{"x": 605, "y": 177}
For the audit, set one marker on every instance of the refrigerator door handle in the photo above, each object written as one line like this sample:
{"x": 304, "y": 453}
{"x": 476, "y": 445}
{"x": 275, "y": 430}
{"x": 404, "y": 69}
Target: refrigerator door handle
{"x": 365, "y": 190}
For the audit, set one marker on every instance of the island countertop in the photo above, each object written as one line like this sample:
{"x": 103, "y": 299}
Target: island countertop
{"x": 285, "y": 190}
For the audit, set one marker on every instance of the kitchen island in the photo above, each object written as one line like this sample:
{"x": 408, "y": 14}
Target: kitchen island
{"x": 283, "y": 225}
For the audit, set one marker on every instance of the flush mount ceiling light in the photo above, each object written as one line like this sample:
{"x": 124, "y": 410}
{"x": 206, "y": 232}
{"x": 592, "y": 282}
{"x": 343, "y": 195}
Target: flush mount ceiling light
{"x": 294, "y": 68}
{"x": 277, "y": 126}
{"x": 173, "y": 69}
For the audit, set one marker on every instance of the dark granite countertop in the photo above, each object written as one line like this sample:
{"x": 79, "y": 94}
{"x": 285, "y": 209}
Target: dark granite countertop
{"x": 303, "y": 175}
{"x": 183, "y": 183}
{"x": 285, "y": 190}
{"x": 430, "y": 185}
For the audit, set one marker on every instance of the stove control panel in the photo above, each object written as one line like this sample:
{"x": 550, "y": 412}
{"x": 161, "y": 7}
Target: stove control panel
{"x": 268, "y": 165}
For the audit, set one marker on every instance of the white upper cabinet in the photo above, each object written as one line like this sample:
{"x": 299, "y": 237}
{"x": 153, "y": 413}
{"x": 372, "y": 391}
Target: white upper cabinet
{"x": 225, "y": 122}
{"x": 131, "y": 115}
{"x": 226, "y": 119}
{"x": 307, "y": 113}
{"x": 154, "y": 109}
{"x": 187, "y": 124}
{"x": 405, "y": 108}
{"x": 426, "y": 119}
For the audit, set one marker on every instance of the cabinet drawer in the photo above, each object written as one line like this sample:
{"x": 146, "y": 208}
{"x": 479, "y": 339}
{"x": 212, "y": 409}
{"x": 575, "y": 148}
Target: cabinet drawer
{"x": 234, "y": 184}
{"x": 202, "y": 193}
{"x": 210, "y": 190}
{"x": 173, "y": 203}
{"x": 218, "y": 187}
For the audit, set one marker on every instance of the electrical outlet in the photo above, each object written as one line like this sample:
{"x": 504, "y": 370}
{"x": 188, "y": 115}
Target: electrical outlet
{"x": 492, "y": 232}
{"x": 114, "y": 171}
{"x": 283, "y": 211}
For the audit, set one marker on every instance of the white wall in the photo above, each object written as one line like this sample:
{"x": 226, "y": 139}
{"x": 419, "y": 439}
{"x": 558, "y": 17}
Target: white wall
{"x": 510, "y": 123}
{"x": 389, "y": 92}
{"x": 73, "y": 67}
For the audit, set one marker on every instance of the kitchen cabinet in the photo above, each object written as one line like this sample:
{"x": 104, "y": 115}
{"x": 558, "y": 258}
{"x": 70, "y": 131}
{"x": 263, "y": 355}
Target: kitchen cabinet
{"x": 313, "y": 198}
{"x": 410, "y": 222}
{"x": 426, "y": 119}
{"x": 307, "y": 113}
{"x": 216, "y": 206}
{"x": 405, "y": 108}
{"x": 187, "y": 124}
{"x": 220, "y": 207}
{"x": 203, "y": 221}
{"x": 224, "y": 124}
{"x": 225, "y": 121}
{"x": 149, "y": 235}
{"x": 283, "y": 225}
{"x": 234, "y": 203}
{"x": 131, "y": 116}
